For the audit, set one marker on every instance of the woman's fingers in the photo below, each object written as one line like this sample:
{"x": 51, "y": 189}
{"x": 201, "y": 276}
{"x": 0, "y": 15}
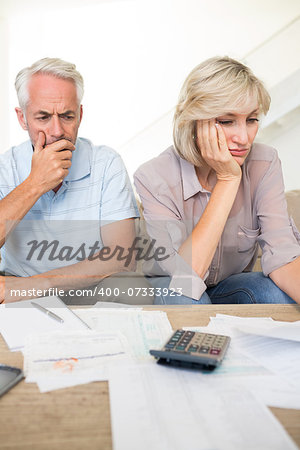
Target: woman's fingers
{"x": 221, "y": 138}
{"x": 203, "y": 138}
{"x": 207, "y": 139}
{"x": 213, "y": 147}
{"x": 213, "y": 139}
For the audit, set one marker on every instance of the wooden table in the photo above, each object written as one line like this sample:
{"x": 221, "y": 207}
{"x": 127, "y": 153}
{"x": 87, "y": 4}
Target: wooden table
{"x": 79, "y": 417}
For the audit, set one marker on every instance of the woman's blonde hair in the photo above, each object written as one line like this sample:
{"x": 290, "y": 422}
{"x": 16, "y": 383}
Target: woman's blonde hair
{"x": 214, "y": 87}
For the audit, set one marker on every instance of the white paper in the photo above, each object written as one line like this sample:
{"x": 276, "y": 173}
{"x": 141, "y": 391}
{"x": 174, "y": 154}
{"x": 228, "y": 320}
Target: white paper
{"x": 272, "y": 390}
{"x": 61, "y": 359}
{"x": 280, "y": 356}
{"x": 19, "y": 320}
{"x": 161, "y": 408}
{"x": 279, "y": 330}
{"x": 144, "y": 330}
{"x": 256, "y": 371}
{"x": 114, "y": 305}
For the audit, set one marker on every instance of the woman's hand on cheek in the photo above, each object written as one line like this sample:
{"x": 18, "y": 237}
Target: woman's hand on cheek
{"x": 211, "y": 142}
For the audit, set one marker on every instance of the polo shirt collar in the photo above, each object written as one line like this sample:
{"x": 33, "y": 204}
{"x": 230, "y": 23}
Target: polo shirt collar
{"x": 81, "y": 160}
{"x": 190, "y": 183}
{"x": 22, "y": 157}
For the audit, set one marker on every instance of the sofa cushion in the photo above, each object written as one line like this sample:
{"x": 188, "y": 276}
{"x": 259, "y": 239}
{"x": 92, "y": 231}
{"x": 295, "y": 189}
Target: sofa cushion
{"x": 293, "y": 206}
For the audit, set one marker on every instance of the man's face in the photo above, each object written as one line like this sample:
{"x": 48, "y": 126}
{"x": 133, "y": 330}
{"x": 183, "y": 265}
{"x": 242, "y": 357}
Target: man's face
{"x": 52, "y": 109}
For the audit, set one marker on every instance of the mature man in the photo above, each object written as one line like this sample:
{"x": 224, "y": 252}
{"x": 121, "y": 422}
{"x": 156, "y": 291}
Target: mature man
{"x": 62, "y": 199}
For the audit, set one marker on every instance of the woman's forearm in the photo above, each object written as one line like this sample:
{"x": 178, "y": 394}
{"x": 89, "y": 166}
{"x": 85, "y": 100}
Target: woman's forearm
{"x": 287, "y": 278}
{"x": 199, "y": 248}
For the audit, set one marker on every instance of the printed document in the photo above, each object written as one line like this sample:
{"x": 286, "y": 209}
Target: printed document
{"x": 62, "y": 359}
{"x": 143, "y": 329}
{"x": 163, "y": 408}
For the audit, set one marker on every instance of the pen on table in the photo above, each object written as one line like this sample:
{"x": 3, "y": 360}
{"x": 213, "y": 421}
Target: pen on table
{"x": 48, "y": 312}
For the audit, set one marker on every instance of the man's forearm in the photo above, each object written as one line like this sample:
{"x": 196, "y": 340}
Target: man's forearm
{"x": 15, "y": 206}
{"x": 80, "y": 275}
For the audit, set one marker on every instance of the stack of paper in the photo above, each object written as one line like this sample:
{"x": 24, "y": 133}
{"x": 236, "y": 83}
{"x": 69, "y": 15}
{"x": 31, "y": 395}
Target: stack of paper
{"x": 58, "y": 355}
{"x": 156, "y": 407}
{"x": 225, "y": 409}
{"x": 269, "y": 367}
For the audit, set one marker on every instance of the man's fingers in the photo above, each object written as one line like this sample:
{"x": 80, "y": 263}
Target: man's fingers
{"x": 60, "y": 145}
{"x": 57, "y": 146}
{"x": 41, "y": 140}
{"x": 63, "y": 155}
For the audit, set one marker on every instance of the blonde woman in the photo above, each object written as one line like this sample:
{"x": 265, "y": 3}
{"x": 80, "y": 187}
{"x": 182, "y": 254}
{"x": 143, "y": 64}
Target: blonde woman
{"x": 215, "y": 195}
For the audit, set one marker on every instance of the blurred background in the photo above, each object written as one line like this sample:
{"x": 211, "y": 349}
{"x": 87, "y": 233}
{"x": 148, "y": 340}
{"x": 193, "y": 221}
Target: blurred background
{"x": 135, "y": 54}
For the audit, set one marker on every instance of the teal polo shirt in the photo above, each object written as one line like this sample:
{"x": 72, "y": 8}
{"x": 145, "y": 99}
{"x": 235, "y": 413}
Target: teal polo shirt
{"x": 96, "y": 191}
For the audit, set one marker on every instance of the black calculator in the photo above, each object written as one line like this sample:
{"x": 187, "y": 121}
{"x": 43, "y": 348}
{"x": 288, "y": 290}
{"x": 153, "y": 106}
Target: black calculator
{"x": 192, "y": 349}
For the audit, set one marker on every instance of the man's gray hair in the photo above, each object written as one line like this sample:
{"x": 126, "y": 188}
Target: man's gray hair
{"x": 51, "y": 66}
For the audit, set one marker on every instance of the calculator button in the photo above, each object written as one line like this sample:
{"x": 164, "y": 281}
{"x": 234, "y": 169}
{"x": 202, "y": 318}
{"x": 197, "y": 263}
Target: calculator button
{"x": 181, "y": 347}
{"x": 193, "y": 348}
{"x": 215, "y": 351}
{"x": 170, "y": 345}
{"x": 190, "y": 333}
{"x": 204, "y": 349}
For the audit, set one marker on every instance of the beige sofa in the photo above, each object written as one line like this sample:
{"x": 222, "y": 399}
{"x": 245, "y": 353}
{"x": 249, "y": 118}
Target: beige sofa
{"x": 293, "y": 204}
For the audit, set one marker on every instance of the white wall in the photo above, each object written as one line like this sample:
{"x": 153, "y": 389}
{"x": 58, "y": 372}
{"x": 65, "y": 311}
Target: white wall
{"x": 4, "y": 83}
{"x": 134, "y": 56}
{"x": 284, "y": 135}
{"x": 281, "y": 127}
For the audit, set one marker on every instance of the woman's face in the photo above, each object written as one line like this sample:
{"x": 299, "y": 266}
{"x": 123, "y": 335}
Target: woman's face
{"x": 240, "y": 128}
